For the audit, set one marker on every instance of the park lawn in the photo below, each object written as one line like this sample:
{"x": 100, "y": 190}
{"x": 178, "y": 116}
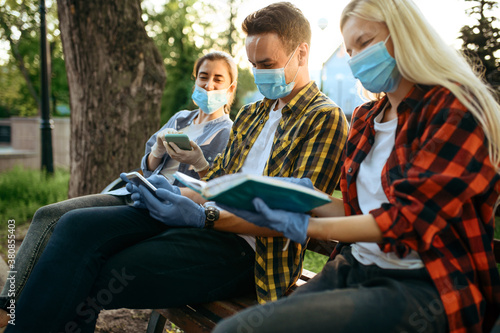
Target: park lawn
{"x": 23, "y": 191}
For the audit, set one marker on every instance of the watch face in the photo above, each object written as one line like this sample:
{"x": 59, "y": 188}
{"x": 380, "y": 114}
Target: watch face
{"x": 212, "y": 215}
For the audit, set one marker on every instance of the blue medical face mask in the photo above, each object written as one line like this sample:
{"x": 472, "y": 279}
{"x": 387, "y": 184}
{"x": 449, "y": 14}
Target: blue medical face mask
{"x": 272, "y": 82}
{"x": 376, "y": 69}
{"x": 210, "y": 101}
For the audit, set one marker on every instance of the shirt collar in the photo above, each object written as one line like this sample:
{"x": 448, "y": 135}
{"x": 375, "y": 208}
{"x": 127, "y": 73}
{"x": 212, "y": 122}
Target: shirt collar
{"x": 299, "y": 102}
{"x": 411, "y": 100}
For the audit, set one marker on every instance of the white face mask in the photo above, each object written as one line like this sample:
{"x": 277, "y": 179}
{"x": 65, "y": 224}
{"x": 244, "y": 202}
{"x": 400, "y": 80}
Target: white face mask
{"x": 210, "y": 101}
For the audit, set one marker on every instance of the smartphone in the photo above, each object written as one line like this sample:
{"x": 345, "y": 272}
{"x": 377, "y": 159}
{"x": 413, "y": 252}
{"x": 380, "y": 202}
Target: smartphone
{"x": 181, "y": 140}
{"x": 138, "y": 179}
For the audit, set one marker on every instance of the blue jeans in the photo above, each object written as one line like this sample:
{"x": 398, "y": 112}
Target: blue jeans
{"x": 40, "y": 230}
{"x": 113, "y": 257}
{"x": 349, "y": 297}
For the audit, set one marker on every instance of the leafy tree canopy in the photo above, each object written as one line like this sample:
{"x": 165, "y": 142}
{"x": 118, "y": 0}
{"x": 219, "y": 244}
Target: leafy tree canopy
{"x": 481, "y": 41}
{"x": 20, "y": 81}
{"x": 183, "y": 30}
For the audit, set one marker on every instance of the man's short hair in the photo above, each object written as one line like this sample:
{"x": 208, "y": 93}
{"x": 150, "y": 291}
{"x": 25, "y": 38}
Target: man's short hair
{"x": 282, "y": 18}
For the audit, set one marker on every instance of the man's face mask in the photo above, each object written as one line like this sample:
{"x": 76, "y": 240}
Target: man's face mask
{"x": 272, "y": 82}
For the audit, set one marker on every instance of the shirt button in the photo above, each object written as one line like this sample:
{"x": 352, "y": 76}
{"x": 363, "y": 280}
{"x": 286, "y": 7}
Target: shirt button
{"x": 370, "y": 141}
{"x": 350, "y": 170}
{"x": 261, "y": 121}
{"x": 247, "y": 147}
{"x": 209, "y": 158}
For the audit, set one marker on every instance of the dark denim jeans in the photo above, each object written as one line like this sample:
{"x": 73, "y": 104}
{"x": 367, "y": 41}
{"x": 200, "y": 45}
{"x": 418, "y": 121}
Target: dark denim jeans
{"x": 39, "y": 233}
{"x": 113, "y": 257}
{"x": 349, "y": 297}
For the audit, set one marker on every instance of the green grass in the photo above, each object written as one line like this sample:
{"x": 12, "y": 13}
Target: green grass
{"x": 23, "y": 191}
{"x": 314, "y": 262}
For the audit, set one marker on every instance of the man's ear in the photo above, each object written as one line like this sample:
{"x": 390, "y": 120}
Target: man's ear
{"x": 303, "y": 51}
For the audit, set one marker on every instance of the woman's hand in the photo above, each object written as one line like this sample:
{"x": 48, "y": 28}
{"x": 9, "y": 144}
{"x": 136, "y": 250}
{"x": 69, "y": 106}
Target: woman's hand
{"x": 194, "y": 156}
{"x": 158, "y": 149}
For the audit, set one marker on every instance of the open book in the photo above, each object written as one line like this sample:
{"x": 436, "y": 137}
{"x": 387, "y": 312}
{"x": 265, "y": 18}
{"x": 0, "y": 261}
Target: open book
{"x": 238, "y": 190}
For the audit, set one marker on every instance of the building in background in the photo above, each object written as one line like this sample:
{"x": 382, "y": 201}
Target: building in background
{"x": 338, "y": 83}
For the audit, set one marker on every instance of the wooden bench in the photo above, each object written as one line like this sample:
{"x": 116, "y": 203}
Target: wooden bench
{"x": 203, "y": 317}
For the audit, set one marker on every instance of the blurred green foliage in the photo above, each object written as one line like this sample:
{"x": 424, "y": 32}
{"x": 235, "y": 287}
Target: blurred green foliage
{"x": 19, "y": 79}
{"x": 23, "y": 191}
{"x": 182, "y": 31}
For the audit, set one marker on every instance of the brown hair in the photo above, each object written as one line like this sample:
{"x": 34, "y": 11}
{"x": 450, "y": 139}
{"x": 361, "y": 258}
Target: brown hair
{"x": 231, "y": 68}
{"x": 282, "y": 18}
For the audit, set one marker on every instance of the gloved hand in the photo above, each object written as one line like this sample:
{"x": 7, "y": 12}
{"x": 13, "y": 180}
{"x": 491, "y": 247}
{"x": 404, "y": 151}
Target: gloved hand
{"x": 299, "y": 181}
{"x": 134, "y": 190}
{"x": 157, "y": 180}
{"x": 161, "y": 182}
{"x": 194, "y": 157}
{"x": 173, "y": 209}
{"x": 291, "y": 225}
{"x": 158, "y": 149}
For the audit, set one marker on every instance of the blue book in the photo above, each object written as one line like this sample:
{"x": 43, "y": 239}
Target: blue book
{"x": 238, "y": 190}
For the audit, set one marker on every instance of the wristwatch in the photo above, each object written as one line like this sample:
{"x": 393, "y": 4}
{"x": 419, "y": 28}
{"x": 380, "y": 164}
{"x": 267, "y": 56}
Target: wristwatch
{"x": 211, "y": 215}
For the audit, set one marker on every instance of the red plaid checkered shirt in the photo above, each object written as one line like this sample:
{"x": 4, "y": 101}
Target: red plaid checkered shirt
{"x": 441, "y": 188}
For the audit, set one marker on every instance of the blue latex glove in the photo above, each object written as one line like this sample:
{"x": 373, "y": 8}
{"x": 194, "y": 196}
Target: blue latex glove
{"x": 157, "y": 180}
{"x": 291, "y": 225}
{"x": 134, "y": 190}
{"x": 299, "y": 181}
{"x": 173, "y": 209}
{"x": 161, "y": 182}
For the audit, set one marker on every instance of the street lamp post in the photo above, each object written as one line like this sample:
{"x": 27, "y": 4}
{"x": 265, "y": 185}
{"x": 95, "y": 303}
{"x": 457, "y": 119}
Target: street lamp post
{"x": 46, "y": 124}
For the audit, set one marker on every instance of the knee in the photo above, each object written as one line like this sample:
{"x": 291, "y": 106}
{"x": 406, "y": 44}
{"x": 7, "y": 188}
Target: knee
{"x": 46, "y": 214}
{"x": 73, "y": 223}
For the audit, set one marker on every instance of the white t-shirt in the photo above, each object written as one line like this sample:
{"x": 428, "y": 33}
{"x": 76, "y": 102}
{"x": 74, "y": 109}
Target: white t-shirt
{"x": 371, "y": 195}
{"x": 259, "y": 153}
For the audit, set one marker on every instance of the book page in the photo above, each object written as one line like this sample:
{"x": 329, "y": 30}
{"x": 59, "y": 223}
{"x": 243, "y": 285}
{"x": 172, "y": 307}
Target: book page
{"x": 193, "y": 183}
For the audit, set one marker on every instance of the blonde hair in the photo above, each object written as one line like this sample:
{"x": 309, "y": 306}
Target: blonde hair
{"x": 424, "y": 58}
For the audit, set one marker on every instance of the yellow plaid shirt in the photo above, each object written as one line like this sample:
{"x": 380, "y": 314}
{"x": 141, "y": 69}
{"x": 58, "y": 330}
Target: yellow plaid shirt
{"x": 308, "y": 143}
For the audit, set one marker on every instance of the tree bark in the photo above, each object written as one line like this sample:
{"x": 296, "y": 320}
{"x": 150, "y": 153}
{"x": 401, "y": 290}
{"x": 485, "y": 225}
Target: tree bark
{"x": 116, "y": 78}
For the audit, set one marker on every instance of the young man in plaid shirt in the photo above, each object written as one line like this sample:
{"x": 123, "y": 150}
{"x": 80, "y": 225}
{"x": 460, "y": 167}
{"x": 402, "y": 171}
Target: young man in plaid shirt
{"x": 296, "y": 131}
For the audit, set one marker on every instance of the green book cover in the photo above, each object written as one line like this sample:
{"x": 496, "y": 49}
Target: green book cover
{"x": 238, "y": 190}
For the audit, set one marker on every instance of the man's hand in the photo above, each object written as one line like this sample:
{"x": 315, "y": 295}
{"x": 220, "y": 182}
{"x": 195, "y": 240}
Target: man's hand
{"x": 157, "y": 180}
{"x": 173, "y": 209}
{"x": 161, "y": 182}
{"x": 291, "y": 225}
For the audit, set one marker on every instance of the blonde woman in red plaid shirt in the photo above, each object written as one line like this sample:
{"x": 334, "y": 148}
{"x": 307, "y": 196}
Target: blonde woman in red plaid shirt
{"x": 420, "y": 182}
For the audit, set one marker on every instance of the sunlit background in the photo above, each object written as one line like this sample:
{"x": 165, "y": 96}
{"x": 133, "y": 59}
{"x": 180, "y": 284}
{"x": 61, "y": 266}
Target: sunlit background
{"x": 447, "y": 17}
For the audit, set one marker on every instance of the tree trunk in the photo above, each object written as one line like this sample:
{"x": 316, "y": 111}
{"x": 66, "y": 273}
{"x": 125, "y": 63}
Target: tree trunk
{"x": 116, "y": 78}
